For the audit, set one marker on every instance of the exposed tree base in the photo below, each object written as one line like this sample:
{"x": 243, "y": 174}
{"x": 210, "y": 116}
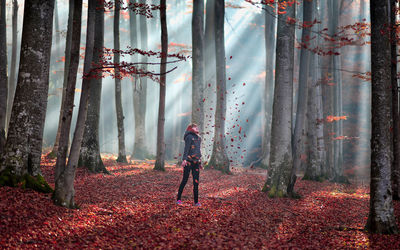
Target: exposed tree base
{"x": 37, "y": 183}
{"x": 159, "y": 167}
{"x": 122, "y": 158}
{"x": 64, "y": 200}
{"x": 93, "y": 166}
{"x": 141, "y": 154}
{"x": 380, "y": 227}
{"x": 340, "y": 179}
{"x": 308, "y": 177}
{"x": 259, "y": 164}
{"x": 221, "y": 167}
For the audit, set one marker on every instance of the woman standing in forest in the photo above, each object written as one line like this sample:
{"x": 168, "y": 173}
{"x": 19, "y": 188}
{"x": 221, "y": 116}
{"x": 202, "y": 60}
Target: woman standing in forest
{"x": 191, "y": 161}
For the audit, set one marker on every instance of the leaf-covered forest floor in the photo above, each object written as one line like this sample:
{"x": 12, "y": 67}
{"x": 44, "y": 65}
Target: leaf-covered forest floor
{"x": 135, "y": 208}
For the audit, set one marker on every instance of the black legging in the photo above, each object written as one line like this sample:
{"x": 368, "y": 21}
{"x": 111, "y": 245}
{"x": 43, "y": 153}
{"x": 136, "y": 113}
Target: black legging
{"x": 194, "y": 167}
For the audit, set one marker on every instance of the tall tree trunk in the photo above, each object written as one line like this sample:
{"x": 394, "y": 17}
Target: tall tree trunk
{"x": 337, "y": 98}
{"x": 395, "y": 107}
{"x": 209, "y": 73}
{"x": 133, "y": 20}
{"x": 139, "y": 98}
{"x": 198, "y": 64}
{"x": 219, "y": 158}
{"x": 65, "y": 79}
{"x": 63, "y": 195}
{"x": 90, "y": 149}
{"x": 381, "y": 217}
{"x": 118, "y": 98}
{"x": 13, "y": 66}
{"x": 281, "y": 160}
{"x": 160, "y": 160}
{"x": 270, "y": 46}
{"x": 315, "y": 161}
{"x": 3, "y": 75}
{"x": 298, "y": 136}
{"x": 22, "y": 154}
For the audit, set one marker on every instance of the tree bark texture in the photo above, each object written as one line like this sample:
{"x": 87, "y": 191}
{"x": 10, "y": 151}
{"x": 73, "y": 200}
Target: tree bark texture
{"x": 22, "y": 153}
{"x": 65, "y": 182}
{"x": 3, "y": 75}
{"x": 381, "y": 217}
{"x": 305, "y": 54}
{"x": 198, "y": 64}
{"x": 270, "y": 47}
{"x": 209, "y": 73}
{"x": 66, "y": 70}
{"x": 118, "y": 97}
{"x": 160, "y": 157}
{"x": 13, "y": 66}
{"x": 90, "y": 149}
{"x": 219, "y": 158}
{"x": 281, "y": 160}
{"x": 395, "y": 108}
{"x": 139, "y": 98}
{"x": 133, "y": 35}
{"x": 63, "y": 194}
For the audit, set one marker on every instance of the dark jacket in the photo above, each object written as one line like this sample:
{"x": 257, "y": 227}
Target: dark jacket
{"x": 192, "y": 151}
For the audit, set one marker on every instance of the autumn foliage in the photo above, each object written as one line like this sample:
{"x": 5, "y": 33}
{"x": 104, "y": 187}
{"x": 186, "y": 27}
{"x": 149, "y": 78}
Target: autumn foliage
{"x": 135, "y": 207}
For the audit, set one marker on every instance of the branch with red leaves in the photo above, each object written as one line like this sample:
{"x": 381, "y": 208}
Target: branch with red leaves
{"x": 107, "y": 67}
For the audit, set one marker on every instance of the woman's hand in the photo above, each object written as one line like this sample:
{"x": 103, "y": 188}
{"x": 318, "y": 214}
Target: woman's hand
{"x": 184, "y": 163}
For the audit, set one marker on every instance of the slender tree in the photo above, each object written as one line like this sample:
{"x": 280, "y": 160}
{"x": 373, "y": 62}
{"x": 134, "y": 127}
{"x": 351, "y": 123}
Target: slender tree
{"x": 13, "y": 66}
{"x": 219, "y": 158}
{"x": 68, "y": 42}
{"x": 381, "y": 217}
{"x": 22, "y": 154}
{"x": 3, "y": 75}
{"x": 118, "y": 98}
{"x": 198, "y": 64}
{"x": 63, "y": 193}
{"x": 281, "y": 160}
{"x": 305, "y": 54}
{"x": 270, "y": 42}
{"x": 160, "y": 158}
{"x": 90, "y": 148}
{"x": 139, "y": 98}
{"x": 209, "y": 72}
{"x": 395, "y": 107}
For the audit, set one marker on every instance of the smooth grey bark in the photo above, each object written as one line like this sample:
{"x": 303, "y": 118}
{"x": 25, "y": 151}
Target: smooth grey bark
{"x": 198, "y": 64}
{"x": 22, "y": 153}
{"x": 160, "y": 155}
{"x": 13, "y": 66}
{"x": 209, "y": 73}
{"x": 314, "y": 167}
{"x": 270, "y": 47}
{"x": 63, "y": 194}
{"x": 298, "y": 135}
{"x": 118, "y": 98}
{"x": 219, "y": 158}
{"x": 140, "y": 150}
{"x": 281, "y": 160}
{"x": 337, "y": 97}
{"x": 381, "y": 217}
{"x": 3, "y": 75}
{"x": 90, "y": 149}
{"x": 133, "y": 33}
{"x": 66, "y": 70}
{"x": 395, "y": 108}
{"x": 66, "y": 179}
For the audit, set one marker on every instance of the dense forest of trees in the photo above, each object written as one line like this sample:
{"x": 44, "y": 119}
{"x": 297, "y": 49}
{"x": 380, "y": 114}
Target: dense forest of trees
{"x": 308, "y": 123}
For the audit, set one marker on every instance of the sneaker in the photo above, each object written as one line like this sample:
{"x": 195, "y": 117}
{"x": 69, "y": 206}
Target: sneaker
{"x": 197, "y": 204}
{"x": 179, "y": 202}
